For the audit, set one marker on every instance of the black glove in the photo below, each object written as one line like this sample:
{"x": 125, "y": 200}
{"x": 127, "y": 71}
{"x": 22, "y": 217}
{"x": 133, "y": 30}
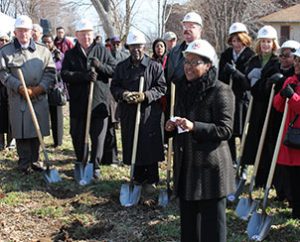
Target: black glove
{"x": 57, "y": 55}
{"x": 288, "y": 91}
{"x": 276, "y": 79}
{"x": 229, "y": 68}
{"x": 94, "y": 62}
{"x": 92, "y": 76}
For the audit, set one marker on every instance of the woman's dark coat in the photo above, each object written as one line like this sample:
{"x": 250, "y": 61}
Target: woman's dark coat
{"x": 261, "y": 94}
{"x": 150, "y": 142}
{"x": 202, "y": 161}
{"x": 239, "y": 88}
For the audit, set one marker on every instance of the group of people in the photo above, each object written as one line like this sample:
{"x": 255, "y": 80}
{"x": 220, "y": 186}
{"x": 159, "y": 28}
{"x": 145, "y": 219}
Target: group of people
{"x": 211, "y": 102}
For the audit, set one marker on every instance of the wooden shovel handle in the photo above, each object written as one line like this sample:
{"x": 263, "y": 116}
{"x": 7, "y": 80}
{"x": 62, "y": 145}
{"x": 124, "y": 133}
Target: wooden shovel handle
{"x": 136, "y": 130}
{"x": 32, "y": 113}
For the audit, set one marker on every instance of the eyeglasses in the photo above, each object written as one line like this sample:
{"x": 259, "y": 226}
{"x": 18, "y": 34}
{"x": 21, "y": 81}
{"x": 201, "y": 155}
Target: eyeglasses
{"x": 194, "y": 63}
{"x": 3, "y": 40}
{"x": 285, "y": 55}
{"x": 189, "y": 26}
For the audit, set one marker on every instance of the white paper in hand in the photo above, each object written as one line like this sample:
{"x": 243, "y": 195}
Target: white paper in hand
{"x": 179, "y": 129}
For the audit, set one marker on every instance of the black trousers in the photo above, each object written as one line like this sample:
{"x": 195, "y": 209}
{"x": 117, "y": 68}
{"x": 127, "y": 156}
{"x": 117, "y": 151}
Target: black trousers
{"x": 203, "y": 221}
{"x": 57, "y": 126}
{"x": 110, "y": 154}
{"x": 28, "y": 152}
{"x": 294, "y": 179}
{"x": 97, "y": 134}
{"x": 146, "y": 174}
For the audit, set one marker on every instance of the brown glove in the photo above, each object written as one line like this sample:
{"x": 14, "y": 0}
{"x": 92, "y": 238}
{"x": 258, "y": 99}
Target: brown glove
{"x": 137, "y": 97}
{"x": 21, "y": 91}
{"x": 36, "y": 91}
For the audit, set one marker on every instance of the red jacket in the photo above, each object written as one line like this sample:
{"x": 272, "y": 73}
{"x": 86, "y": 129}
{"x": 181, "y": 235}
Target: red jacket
{"x": 288, "y": 156}
{"x": 63, "y": 45}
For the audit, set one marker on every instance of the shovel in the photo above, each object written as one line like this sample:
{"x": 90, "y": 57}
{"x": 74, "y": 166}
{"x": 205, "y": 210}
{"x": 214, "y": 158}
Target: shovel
{"x": 260, "y": 223}
{"x": 165, "y": 194}
{"x": 84, "y": 170}
{"x": 246, "y": 206}
{"x": 239, "y": 178}
{"x": 50, "y": 175}
{"x": 130, "y": 193}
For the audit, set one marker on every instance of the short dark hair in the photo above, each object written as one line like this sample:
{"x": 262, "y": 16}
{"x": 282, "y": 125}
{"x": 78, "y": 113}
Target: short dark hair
{"x": 48, "y": 36}
{"x": 60, "y": 27}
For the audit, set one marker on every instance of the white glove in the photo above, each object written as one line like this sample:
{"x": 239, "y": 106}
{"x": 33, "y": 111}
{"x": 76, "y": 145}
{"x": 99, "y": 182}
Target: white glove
{"x": 254, "y": 75}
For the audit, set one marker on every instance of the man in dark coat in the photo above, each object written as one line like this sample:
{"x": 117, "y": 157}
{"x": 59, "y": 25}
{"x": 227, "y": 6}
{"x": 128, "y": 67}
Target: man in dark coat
{"x": 124, "y": 87}
{"x": 76, "y": 73}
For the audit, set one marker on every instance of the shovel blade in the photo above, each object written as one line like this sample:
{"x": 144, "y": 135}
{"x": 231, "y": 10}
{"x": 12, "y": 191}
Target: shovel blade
{"x": 130, "y": 194}
{"x": 163, "y": 198}
{"x": 245, "y": 208}
{"x": 84, "y": 173}
{"x": 51, "y": 176}
{"x": 240, "y": 184}
{"x": 259, "y": 226}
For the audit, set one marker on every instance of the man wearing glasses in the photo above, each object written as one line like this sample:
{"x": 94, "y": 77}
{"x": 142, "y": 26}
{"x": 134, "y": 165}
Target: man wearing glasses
{"x": 192, "y": 28}
{"x": 38, "y": 68}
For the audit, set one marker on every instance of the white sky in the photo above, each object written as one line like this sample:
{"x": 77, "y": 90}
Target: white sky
{"x": 146, "y": 15}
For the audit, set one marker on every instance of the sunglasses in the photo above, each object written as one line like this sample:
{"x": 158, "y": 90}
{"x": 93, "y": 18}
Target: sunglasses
{"x": 4, "y": 40}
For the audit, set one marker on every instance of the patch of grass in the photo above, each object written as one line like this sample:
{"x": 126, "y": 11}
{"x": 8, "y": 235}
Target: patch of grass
{"x": 13, "y": 198}
{"x": 48, "y": 212}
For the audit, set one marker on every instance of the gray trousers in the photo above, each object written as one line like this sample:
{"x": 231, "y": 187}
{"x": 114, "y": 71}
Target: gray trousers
{"x": 28, "y": 152}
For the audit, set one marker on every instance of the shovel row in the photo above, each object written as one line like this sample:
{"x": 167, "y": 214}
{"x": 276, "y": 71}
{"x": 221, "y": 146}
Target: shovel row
{"x": 217, "y": 103}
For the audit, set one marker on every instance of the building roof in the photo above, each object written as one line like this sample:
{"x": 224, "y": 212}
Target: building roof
{"x": 287, "y": 15}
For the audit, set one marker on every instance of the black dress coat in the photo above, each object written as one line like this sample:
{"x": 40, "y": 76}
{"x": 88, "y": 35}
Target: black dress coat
{"x": 150, "y": 141}
{"x": 202, "y": 161}
{"x": 261, "y": 94}
{"x": 239, "y": 85}
{"x": 74, "y": 68}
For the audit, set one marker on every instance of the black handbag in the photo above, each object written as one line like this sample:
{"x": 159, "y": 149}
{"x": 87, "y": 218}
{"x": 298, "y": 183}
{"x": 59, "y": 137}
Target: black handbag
{"x": 57, "y": 96}
{"x": 292, "y": 137}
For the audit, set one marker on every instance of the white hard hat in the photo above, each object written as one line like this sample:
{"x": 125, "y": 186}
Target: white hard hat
{"x": 170, "y": 35}
{"x": 3, "y": 34}
{"x": 297, "y": 52}
{"x": 23, "y": 22}
{"x": 267, "y": 32}
{"x": 290, "y": 44}
{"x": 237, "y": 27}
{"x": 37, "y": 27}
{"x": 84, "y": 24}
{"x": 193, "y": 17}
{"x": 203, "y": 48}
{"x": 135, "y": 37}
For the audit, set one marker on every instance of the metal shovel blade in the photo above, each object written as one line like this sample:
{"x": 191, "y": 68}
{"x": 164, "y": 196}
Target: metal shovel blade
{"x": 130, "y": 194}
{"x": 239, "y": 189}
{"x": 259, "y": 226}
{"x": 84, "y": 173}
{"x": 163, "y": 198}
{"x": 51, "y": 175}
{"x": 245, "y": 208}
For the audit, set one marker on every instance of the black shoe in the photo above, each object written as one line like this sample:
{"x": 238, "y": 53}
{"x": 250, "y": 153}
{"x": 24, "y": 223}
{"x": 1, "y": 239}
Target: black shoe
{"x": 25, "y": 171}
